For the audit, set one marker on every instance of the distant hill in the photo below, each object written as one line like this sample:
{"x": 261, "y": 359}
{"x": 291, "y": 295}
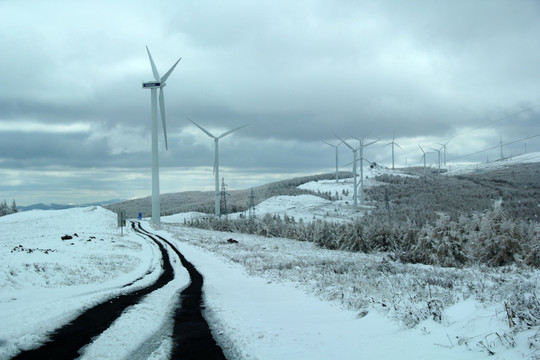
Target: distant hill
{"x": 203, "y": 201}
{"x": 53, "y": 206}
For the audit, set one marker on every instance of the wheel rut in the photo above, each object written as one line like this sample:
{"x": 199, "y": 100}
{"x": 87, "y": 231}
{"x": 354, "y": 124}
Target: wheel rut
{"x": 192, "y": 338}
{"x": 65, "y": 342}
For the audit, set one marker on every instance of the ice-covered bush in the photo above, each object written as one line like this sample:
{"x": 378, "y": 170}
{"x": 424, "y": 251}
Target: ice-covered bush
{"x": 498, "y": 241}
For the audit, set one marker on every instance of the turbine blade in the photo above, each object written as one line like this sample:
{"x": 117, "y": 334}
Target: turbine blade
{"x": 166, "y": 76}
{"x": 398, "y": 145}
{"x": 327, "y": 143}
{"x": 343, "y": 141}
{"x": 162, "y": 111}
{"x": 231, "y": 131}
{"x": 373, "y": 142}
{"x": 203, "y": 129}
{"x": 421, "y": 149}
{"x": 154, "y": 69}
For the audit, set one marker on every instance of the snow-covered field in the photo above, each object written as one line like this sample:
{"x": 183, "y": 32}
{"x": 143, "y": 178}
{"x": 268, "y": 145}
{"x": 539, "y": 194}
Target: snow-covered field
{"x": 473, "y": 167}
{"x": 265, "y": 298}
{"x": 310, "y": 207}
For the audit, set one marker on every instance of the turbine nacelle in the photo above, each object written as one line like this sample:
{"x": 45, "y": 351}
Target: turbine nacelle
{"x": 159, "y": 83}
{"x": 152, "y": 85}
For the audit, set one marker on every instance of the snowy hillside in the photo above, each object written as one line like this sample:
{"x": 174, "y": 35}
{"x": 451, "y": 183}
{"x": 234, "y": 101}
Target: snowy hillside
{"x": 488, "y": 166}
{"x": 265, "y": 298}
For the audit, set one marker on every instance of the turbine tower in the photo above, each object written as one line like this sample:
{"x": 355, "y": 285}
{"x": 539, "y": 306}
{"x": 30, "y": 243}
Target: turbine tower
{"x": 445, "y": 150}
{"x": 355, "y": 196}
{"x": 336, "y": 147}
{"x": 216, "y": 160}
{"x": 438, "y": 159}
{"x": 424, "y": 157}
{"x": 394, "y": 143}
{"x": 362, "y": 146}
{"x": 158, "y": 83}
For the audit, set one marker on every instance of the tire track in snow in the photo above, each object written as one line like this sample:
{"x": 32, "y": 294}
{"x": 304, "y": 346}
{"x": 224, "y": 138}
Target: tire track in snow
{"x": 192, "y": 338}
{"x": 67, "y": 341}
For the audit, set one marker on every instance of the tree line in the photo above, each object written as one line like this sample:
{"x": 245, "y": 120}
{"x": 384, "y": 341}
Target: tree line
{"x": 490, "y": 219}
{"x": 489, "y": 238}
{"x": 5, "y": 209}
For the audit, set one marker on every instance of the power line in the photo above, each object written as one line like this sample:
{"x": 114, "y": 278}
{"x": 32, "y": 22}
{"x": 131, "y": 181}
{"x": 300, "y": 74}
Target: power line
{"x": 494, "y": 147}
{"x": 494, "y": 121}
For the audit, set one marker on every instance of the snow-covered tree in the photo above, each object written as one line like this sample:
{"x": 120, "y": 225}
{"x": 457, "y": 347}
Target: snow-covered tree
{"x": 499, "y": 239}
{"x": 4, "y": 210}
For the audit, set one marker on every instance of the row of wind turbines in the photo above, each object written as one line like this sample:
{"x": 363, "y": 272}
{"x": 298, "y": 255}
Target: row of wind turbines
{"x": 159, "y": 83}
{"x": 356, "y": 159}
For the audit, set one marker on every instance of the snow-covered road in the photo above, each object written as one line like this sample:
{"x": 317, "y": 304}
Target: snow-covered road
{"x": 108, "y": 319}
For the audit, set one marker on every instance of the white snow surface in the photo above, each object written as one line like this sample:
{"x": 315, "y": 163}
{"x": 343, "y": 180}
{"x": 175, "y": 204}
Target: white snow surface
{"x": 265, "y": 298}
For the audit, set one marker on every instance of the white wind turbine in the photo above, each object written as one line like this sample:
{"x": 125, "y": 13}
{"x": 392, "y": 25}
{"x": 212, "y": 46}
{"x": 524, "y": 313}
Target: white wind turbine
{"x": 362, "y": 146}
{"x": 336, "y": 147}
{"x": 159, "y": 82}
{"x": 424, "y": 157}
{"x": 355, "y": 151}
{"x": 445, "y": 150}
{"x": 438, "y": 159}
{"x": 394, "y": 143}
{"x": 216, "y": 160}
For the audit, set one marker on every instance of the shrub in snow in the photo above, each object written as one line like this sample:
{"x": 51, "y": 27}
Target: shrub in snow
{"x": 352, "y": 237}
{"x": 442, "y": 244}
{"x": 499, "y": 240}
{"x": 532, "y": 246}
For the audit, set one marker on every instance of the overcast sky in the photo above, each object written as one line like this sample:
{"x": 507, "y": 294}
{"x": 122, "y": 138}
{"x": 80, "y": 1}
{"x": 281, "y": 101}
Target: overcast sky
{"x": 75, "y": 122}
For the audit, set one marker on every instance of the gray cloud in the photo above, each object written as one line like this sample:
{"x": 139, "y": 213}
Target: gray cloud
{"x": 296, "y": 72}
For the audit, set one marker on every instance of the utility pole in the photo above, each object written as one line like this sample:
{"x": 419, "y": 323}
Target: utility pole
{"x": 502, "y": 157}
{"x": 251, "y": 205}
{"x": 223, "y": 199}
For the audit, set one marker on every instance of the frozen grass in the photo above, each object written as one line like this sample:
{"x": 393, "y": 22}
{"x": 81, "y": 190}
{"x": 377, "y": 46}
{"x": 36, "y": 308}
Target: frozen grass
{"x": 410, "y": 294}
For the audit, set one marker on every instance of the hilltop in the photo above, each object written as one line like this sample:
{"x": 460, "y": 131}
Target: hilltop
{"x": 203, "y": 201}
{"x": 403, "y": 192}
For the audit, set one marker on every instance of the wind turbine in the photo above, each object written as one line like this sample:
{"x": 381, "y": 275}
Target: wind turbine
{"x": 158, "y": 83}
{"x": 438, "y": 158}
{"x": 393, "y": 143}
{"x": 424, "y": 157}
{"x": 444, "y": 151}
{"x": 216, "y": 159}
{"x": 362, "y": 146}
{"x": 355, "y": 196}
{"x": 336, "y": 147}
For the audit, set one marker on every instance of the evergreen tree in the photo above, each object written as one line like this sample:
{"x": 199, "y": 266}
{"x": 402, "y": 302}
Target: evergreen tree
{"x": 499, "y": 239}
{"x": 4, "y": 210}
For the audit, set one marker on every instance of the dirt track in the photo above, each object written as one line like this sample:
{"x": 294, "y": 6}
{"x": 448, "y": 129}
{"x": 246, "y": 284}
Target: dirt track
{"x": 192, "y": 338}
